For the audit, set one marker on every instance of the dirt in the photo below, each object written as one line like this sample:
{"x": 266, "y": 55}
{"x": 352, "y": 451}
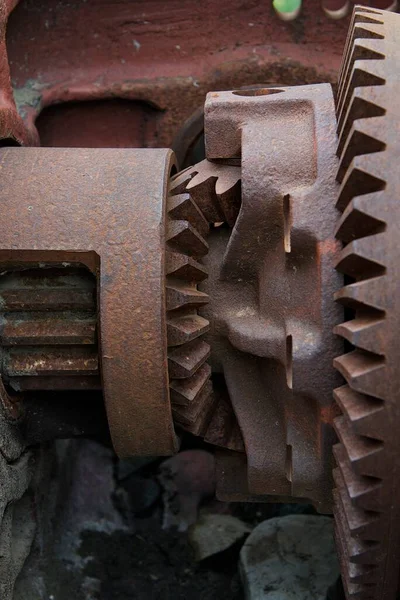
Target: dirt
{"x": 154, "y": 564}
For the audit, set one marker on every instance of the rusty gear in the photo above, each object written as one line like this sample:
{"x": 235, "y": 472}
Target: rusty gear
{"x": 202, "y": 301}
{"x": 367, "y": 507}
{"x": 190, "y": 387}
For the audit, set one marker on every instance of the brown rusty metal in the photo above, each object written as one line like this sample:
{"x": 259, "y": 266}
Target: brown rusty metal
{"x": 367, "y": 494}
{"x": 271, "y": 282}
{"x": 123, "y": 81}
{"x": 104, "y": 258}
{"x": 13, "y": 131}
{"x": 105, "y": 210}
{"x": 47, "y": 327}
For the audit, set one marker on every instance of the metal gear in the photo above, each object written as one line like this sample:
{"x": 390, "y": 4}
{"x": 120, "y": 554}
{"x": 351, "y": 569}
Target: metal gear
{"x": 111, "y": 292}
{"x": 214, "y": 188}
{"x": 189, "y": 373}
{"x": 367, "y": 507}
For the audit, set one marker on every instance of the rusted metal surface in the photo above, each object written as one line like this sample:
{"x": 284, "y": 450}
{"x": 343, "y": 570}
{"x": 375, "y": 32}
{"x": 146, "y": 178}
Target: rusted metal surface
{"x": 105, "y": 210}
{"x": 104, "y": 258}
{"x": 271, "y": 282}
{"x": 160, "y": 62}
{"x": 13, "y": 131}
{"x": 367, "y": 506}
{"x": 191, "y": 394}
{"x": 48, "y": 329}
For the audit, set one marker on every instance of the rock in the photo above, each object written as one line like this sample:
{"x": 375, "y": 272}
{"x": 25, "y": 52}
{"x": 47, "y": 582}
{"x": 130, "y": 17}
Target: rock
{"x": 289, "y": 558}
{"x": 186, "y": 479}
{"x": 88, "y": 498}
{"x": 214, "y": 533}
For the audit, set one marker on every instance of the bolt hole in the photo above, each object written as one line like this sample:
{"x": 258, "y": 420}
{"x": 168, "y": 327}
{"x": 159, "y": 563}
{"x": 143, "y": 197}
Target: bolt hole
{"x": 287, "y": 222}
{"x": 289, "y": 361}
{"x": 257, "y": 92}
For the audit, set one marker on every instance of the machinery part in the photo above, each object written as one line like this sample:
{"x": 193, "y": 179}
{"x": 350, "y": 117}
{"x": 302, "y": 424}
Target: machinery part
{"x": 190, "y": 387}
{"x": 48, "y": 330}
{"x": 110, "y": 292}
{"x": 122, "y": 245}
{"x": 278, "y": 259}
{"x": 106, "y": 221}
{"x": 367, "y": 507}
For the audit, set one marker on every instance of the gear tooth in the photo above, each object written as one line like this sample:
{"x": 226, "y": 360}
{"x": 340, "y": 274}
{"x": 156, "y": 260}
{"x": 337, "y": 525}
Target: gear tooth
{"x": 180, "y": 294}
{"x": 365, "y": 455}
{"x": 366, "y": 331}
{"x": 360, "y": 27}
{"x": 352, "y": 591}
{"x": 217, "y": 190}
{"x": 229, "y": 200}
{"x": 360, "y": 179}
{"x": 365, "y": 47}
{"x": 363, "y": 371}
{"x": 365, "y": 103}
{"x": 179, "y": 182}
{"x": 363, "y": 574}
{"x": 364, "y": 73}
{"x": 362, "y": 258}
{"x": 362, "y": 217}
{"x": 185, "y": 328}
{"x": 363, "y": 138}
{"x": 357, "y": 578}
{"x": 182, "y": 207}
{"x": 195, "y": 416}
{"x": 189, "y": 374}
{"x": 365, "y": 524}
{"x": 181, "y": 235}
{"x": 185, "y": 360}
{"x": 186, "y": 391}
{"x": 181, "y": 266}
{"x": 365, "y": 492}
{"x": 367, "y": 293}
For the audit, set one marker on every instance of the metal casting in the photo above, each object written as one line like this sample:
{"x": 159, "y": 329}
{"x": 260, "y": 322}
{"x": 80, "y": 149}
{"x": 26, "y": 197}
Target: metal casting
{"x": 202, "y": 300}
{"x": 367, "y": 506}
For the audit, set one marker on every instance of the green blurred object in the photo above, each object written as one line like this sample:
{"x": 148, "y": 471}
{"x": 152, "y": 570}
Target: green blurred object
{"x": 289, "y": 8}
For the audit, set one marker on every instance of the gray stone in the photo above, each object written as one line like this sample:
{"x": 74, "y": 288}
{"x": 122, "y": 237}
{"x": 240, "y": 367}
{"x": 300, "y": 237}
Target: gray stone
{"x": 215, "y": 533}
{"x": 88, "y": 498}
{"x": 289, "y": 558}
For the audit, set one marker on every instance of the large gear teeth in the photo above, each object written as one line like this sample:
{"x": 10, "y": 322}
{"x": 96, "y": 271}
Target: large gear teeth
{"x": 362, "y": 258}
{"x": 364, "y": 472}
{"x": 213, "y": 187}
{"x": 365, "y": 103}
{"x": 363, "y": 215}
{"x": 184, "y": 238}
{"x": 198, "y": 196}
{"x": 363, "y": 371}
{"x": 366, "y": 414}
{"x": 362, "y": 177}
{"x": 362, "y": 294}
{"x": 365, "y": 332}
{"x": 190, "y": 388}
{"x": 185, "y": 360}
{"x": 360, "y": 139}
{"x": 181, "y": 266}
{"x": 185, "y": 328}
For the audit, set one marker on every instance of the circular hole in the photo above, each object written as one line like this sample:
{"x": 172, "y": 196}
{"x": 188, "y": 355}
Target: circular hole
{"x": 257, "y": 92}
